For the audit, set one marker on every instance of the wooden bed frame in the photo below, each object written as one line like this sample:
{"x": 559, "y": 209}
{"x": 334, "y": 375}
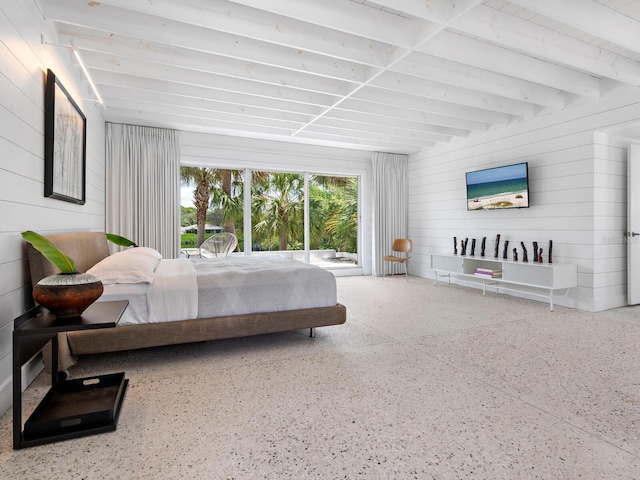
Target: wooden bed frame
{"x": 88, "y": 248}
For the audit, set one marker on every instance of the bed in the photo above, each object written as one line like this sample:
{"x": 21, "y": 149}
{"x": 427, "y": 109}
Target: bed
{"x": 174, "y": 301}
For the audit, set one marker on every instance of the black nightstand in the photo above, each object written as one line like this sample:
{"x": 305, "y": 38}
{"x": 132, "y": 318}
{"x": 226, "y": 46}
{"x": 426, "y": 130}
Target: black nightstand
{"x": 71, "y": 408}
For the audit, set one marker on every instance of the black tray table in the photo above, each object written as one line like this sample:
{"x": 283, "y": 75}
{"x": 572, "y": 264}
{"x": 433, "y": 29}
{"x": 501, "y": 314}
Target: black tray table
{"x": 71, "y": 408}
{"x": 87, "y": 405}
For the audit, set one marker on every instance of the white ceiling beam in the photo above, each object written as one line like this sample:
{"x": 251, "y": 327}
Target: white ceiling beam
{"x": 467, "y": 51}
{"x": 543, "y": 43}
{"x": 368, "y": 130}
{"x": 227, "y": 67}
{"x": 375, "y": 144}
{"x": 164, "y": 98}
{"x": 96, "y": 61}
{"x": 440, "y": 11}
{"x": 207, "y": 28}
{"x": 422, "y": 104}
{"x": 390, "y": 122}
{"x": 250, "y": 73}
{"x": 364, "y": 135}
{"x": 112, "y": 79}
{"x": 394, "y": 113}
{"x": 480, "y": 80}
{"x": 230, "y": 129}
{"x": 157, "y": 51}
{"x": 450, "y": 93}
{"x": 591, "y": 17}
{"x": 460, "y": 7}
{"x": 347, "y": 17}
{"x": 166, "y": 109}
{"x": 124, "y": 114}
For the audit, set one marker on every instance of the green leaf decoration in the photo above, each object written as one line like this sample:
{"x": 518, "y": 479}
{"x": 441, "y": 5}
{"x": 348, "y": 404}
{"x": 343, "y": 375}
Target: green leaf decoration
{"x": 50, "y": 252}
{"x": 121, "y": 241}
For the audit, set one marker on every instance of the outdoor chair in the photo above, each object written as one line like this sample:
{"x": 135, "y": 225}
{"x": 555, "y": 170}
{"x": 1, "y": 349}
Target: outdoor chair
{"x": 219, "y": 245}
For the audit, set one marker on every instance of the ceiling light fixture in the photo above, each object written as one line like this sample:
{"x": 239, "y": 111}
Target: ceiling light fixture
{"x": 86, "y": 74}
{"x": 44, "y": 41}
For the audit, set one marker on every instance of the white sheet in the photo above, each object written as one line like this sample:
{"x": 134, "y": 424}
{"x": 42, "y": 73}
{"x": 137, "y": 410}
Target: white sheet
{"x": 173, "y": 295}
{"x": 136, "y": 293}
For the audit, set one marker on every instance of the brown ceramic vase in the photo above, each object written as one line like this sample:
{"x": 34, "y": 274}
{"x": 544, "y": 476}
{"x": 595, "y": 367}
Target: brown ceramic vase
{"x": 67, "y": 294}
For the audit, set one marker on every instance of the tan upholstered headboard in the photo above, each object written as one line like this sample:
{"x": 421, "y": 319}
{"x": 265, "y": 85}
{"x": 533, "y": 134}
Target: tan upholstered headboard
{"x": 85, "y": 248}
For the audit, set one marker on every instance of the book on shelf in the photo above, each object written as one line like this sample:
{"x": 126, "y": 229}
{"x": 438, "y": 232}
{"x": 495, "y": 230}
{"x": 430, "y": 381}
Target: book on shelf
{"x": 484, "y": 270}
{"x": 487, "y": 272}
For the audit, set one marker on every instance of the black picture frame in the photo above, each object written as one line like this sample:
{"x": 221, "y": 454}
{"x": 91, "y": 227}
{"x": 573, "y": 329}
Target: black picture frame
{"x": 65, "y": 144}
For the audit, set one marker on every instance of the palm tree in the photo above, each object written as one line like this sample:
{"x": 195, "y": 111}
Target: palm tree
{"x": 278, "y": 204}
{"x": 342, "y": 224}
{"x": 227, "y": 194}
{"x": 327, "y": 181}
{"x": 204, "y": 180}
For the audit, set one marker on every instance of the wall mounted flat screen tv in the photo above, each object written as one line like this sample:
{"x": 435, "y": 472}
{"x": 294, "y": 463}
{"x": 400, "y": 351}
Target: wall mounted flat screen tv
{"x": 498, "y": 188}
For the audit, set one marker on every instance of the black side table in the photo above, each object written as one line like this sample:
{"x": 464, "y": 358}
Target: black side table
{"x": 71, "y": 408}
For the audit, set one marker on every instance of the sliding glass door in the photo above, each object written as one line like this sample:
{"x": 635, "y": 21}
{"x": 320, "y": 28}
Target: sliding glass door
{"x": 308, "y": 217}
{"x": 333, "y": 221}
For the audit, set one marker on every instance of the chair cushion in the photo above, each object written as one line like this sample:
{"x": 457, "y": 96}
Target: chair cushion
{"x": 391, "y": 258}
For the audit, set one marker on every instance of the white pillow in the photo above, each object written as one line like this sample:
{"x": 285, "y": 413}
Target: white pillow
{"x": 142, "y": 251}
{"x": 127, "y": 266}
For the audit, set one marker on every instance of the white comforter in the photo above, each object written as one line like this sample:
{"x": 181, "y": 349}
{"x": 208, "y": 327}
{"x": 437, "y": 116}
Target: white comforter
{"x": 235, "y": 285}
{"x": 184, "y": 289}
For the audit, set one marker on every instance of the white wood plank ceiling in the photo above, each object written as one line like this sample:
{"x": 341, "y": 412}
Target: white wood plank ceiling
{"x": 394, "y": 75}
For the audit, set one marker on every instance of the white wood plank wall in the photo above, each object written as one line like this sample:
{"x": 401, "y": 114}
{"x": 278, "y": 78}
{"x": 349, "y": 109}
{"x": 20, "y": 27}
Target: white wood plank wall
{"x": 577, "y": 194}
{"x": 201, "y": 149}
{"x": 23, "y": 63}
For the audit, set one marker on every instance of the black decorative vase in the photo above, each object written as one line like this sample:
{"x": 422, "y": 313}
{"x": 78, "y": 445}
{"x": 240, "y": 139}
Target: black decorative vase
{"x": 67, "y": 294}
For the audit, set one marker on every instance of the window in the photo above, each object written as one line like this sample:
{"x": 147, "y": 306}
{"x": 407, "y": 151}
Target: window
{"x": 279, "y": 222}
{"x": 214, "y": 196}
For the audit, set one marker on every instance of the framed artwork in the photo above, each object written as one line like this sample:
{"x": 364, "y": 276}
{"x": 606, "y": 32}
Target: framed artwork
{"x": 65, "y": 144}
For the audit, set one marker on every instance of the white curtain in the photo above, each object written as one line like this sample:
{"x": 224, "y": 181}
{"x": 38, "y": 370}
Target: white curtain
{"x": 143, "y": 186}
{"x": 390, "y": 206}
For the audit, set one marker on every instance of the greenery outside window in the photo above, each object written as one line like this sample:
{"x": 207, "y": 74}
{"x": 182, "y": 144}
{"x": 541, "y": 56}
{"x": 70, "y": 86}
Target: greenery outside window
{"x": 277, "y": 204}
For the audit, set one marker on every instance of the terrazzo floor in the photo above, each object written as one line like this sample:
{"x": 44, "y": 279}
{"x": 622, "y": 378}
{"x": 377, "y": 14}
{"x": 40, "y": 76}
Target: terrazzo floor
{"x": 422, "y": 382}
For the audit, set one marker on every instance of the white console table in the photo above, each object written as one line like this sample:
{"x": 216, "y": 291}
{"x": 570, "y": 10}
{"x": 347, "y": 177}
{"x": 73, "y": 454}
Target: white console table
{"x": 522, "y": 277}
